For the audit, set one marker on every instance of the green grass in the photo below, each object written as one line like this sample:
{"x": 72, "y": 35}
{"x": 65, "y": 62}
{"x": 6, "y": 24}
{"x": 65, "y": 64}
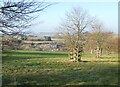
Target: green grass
{"x": 54, "y": 68}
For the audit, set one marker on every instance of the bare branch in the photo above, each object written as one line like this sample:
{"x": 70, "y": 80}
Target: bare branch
{"x": 75, "y": 23}
{"x": 20, "y": 14}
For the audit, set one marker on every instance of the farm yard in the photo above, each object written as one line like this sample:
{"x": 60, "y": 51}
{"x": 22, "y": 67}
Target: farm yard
{"x": 54, "y": 68}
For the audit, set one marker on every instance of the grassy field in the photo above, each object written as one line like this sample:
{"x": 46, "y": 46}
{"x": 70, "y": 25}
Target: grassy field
{"x": 54, "y": 68}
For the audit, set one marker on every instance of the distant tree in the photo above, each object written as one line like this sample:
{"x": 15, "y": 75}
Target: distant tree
{"x": 90, "y": 46}
{"x": 11, "y": 42}
{"x": 111, "y": 43}
{"x": 47, "y": 38}
{"x": 15, "y": 15}
{"x": 108, "y": 43}
{"x": 73, "y": 28}
{"x": 99, "y": 37}
{"x": 102, "y": 41}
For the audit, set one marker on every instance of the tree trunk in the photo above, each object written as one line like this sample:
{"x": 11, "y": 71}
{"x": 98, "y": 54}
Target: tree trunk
{"x": 99, "y": 52}
{"x": 75, "y": 55}
{"x": 91, "y": 51}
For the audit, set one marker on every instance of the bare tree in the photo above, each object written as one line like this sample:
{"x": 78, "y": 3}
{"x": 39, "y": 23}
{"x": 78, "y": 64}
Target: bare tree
{"x": 90, "y": 46}
{"x": 17, "y": 15}
{"x": 111, "y": 43}
{"x": 73, "y": 29}
{"x": 99, "y": 37}
{"x": 102, "y": 43}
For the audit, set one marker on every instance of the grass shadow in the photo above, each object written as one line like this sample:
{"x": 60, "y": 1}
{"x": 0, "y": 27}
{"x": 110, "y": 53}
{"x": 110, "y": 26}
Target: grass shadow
{"x": 83, "y": 74}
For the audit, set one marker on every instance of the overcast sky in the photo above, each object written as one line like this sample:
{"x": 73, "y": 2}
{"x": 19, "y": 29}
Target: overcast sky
{"x": 49, "y": 20}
